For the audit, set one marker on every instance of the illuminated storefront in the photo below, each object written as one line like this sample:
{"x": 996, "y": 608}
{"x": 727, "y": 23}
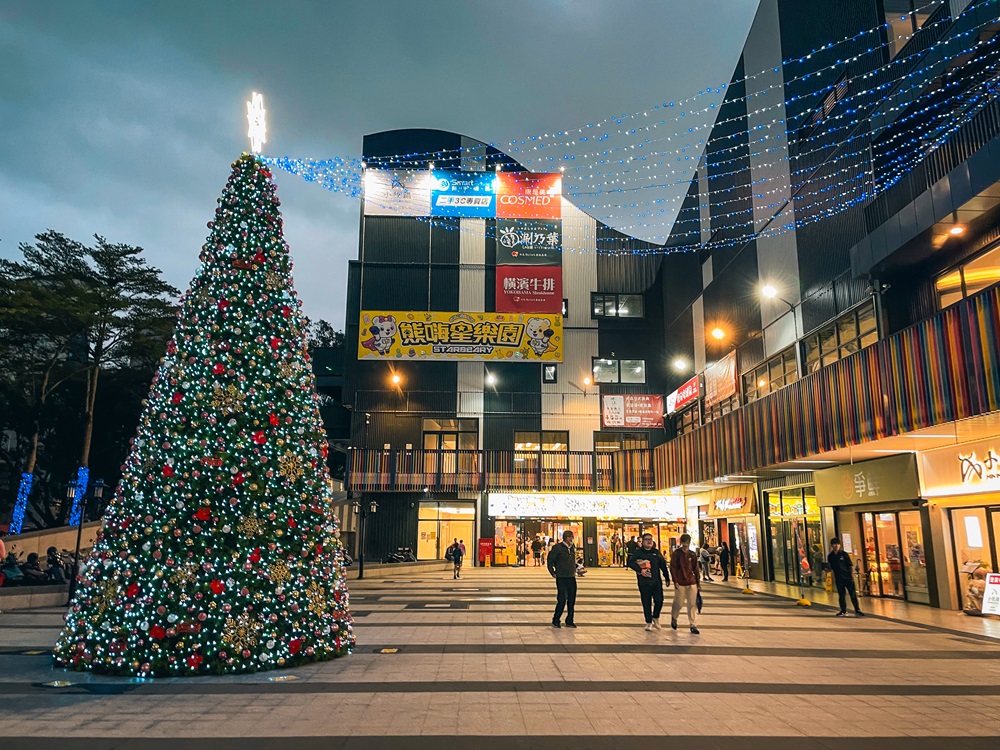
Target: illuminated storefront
{"x": 730, "y": 515}
{"x": 601, "y": 523}
{"x": 962, "y": 486}
{"x": 884, "y": 525}
{"x": 796, "y": 536}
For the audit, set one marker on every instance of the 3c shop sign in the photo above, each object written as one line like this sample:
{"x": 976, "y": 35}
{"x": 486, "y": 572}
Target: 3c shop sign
{"x": 526, "y": 195}
{"x": 463, "y": 194}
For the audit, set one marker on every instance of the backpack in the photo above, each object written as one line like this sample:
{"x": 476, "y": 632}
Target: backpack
{"x": 449, "y": 555}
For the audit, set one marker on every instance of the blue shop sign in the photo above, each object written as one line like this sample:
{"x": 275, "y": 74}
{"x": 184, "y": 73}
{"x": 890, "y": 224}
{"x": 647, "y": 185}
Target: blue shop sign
{"x": 464, "y": 194}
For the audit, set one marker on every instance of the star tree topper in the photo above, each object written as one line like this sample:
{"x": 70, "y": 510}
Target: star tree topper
{"x": 258, "y": 124}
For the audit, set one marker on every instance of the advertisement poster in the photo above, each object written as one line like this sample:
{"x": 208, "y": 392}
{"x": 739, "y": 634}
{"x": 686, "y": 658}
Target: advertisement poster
{"x": 463, "y": 194}
{"x": 529, "y": 289}
{"x": 528, "y": 242}
{"x": 686, "y": 394}
{"x": 991, "y": 596}
{"x": 600, "y": 505}
{"x": 720, "y": 380}
{"x": 397, "y": 193}
{"x": 479, "y": 336}
{"x": 752, "y": 544}
{"x": 641, "y": 411}
{"x": 526, "y": 195}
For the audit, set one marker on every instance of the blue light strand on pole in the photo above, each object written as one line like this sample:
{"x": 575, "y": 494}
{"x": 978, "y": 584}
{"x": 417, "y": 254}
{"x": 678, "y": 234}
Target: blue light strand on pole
{"x": 82, "y": 477}
{"x": 21, "y": 504}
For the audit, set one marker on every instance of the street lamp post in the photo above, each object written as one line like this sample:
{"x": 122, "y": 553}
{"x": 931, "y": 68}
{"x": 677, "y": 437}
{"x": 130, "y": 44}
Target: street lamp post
{"x": 97, "y": 493}
{"x": 364, "y": 508}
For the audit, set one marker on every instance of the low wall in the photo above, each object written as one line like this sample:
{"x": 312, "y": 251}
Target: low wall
{"x": 31, "y": 597}
{"x": 63, "y": 537}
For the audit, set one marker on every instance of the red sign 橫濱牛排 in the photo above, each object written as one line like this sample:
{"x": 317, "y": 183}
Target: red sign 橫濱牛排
{"x": 529, "y": 289}
{"x": 637, "y": 410}
{"x": 684, "y": 395}
{"x": 526, "y": 195}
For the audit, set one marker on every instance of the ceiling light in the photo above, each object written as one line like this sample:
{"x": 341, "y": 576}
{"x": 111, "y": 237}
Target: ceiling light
{"x": 718, "y": 333}
{"x": 956, "y": 230}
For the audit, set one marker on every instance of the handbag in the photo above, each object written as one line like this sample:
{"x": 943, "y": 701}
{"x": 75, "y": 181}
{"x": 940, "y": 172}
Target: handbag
{"x": 698, "y": 602}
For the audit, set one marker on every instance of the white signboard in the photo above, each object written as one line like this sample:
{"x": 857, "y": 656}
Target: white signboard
{"x": 397, "y": 193}
{"x": 589, "y": 505}
{"x": 991, "y": 597}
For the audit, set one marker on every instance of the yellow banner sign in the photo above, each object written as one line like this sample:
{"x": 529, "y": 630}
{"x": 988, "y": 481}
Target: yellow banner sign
{"x": 460, "y": 336}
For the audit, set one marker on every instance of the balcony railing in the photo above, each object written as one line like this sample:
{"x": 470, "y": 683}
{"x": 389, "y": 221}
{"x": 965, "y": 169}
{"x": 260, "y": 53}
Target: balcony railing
{"x": 478, "y": 471}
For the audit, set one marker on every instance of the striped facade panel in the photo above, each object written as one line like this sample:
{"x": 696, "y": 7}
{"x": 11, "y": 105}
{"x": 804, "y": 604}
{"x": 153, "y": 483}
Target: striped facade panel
{"x": 932, "y": 373}
{"x": 579, "y": 266}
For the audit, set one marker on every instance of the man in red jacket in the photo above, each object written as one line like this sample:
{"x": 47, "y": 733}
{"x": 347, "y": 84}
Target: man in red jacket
{"x": 684, "y": 571}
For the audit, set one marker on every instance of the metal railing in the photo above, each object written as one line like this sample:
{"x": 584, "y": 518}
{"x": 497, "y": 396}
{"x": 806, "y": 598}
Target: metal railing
{"x": 384, "y": 470}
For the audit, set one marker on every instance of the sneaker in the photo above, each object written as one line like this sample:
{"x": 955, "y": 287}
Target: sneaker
{"x": 695, "y": 631}
{"x": 570, "y": 624}
{"x": 841, "y": 614}
{"x": 673, "y": 623}
{"x": 649, "y": 627}
{"x": 859, "y": 613}
{"x": 656, "y": 624}
{"x": 556, "y": 625}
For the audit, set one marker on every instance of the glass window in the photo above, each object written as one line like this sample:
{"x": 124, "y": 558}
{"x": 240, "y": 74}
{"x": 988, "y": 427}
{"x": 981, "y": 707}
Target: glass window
{"x": 971, "y": 537}
{"x": 441, "y": 522}
{"x": 850, "y": 333}
{"x": 549, "y": 440}
{"x": 981, "y": 273}
{"x": 903, "y": 18}
{"x": 633, "y": 371}
{"x": 616, "y": 305}
{"x": 776, "y": 373}
{"x": 605, "y": 370}
{"x": 606, "y": 442}
{"x": 949, "y": 289}
{"x": 914, "y": 560}
{"x": 791, "y": 503}
{"x": 630, "y": 306}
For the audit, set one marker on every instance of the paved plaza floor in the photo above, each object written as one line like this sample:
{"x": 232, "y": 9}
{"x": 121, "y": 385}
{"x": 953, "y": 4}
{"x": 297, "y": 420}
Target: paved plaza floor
{"x": 474, "y": 663}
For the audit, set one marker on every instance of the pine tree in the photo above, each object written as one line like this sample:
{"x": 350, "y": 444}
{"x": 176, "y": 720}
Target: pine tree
{"x": 220, "y": 552}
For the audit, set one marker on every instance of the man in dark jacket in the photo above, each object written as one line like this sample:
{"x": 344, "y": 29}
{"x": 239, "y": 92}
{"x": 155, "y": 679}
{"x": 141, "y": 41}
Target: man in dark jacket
{"x": 843, "y": 576}
{"x": 630, "y": 547}
{"x": 648, "y": 564}
{"x": 684, "y": 569}
{"x": 562, "y": 566}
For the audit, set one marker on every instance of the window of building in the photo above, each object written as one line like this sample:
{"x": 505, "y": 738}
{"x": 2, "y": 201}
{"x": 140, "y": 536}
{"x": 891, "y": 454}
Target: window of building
{"x": 550, "y": 374}
{"x": 552, "y": 446}
{"x": 616, "y": 305}
{"x": 450, "y": 445}
{"x": 769, "y": 376}
{"x": 850, "y": 333}
{"x": 719, "y": 408}
{"x": 903, "y": 18}
{"x": 970, "y": 278}
{"x": 687, "y": 420}
{"x": 630, "y": 371}
{"x": 605, "y": 370}
{"x": 608, "y": 442}
{"x": 633, "y": 371}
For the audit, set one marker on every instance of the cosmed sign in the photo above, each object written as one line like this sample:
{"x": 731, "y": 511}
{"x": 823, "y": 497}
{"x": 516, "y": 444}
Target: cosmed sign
{"x": 526, "y": 195}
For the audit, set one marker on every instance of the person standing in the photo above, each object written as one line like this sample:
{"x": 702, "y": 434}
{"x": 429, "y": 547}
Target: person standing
{"x": 684, "y": 571}
{"x": 630, "y": 547}
{"x": 561, "y": 562}
{"x": 724, "y": 560}
{"x": 843, "y": 575}
{"x": 706, "y": 562}
{"x": 456, "y": 553}
{"x": 536, "y": 551}
{"x": 648, "y": 564}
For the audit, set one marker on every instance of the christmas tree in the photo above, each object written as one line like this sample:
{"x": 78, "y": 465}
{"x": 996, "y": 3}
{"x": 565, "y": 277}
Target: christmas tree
{"x": 220, "y": 552}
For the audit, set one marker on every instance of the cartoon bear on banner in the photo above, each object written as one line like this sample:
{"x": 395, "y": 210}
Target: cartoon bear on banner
{"x": 539, "y": 331}
{"x": 383, "y": 330}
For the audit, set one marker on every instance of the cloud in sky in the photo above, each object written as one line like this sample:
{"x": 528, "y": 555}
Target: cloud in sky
{"x": 122, "y": 119}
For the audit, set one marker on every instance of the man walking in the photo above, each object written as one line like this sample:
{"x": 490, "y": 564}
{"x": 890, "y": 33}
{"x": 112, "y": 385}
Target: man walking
{"x": 630, "y": 547}
{"x": 684, "y": 570}
{"x": 843, "y": 576}
{"x": 561, "y": 562}
{"x": 456, "y": 553}
{"x": 648, "y": 563}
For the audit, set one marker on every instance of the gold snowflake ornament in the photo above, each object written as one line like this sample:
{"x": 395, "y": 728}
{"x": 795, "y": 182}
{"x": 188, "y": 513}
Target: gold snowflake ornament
{"x": 317, "y": 599}
{"x": 290, "y": 466}
{"x": 185, "y": 575}
{"x": 280, "y": 573}
{"x": 228, "y": 401}
{"x": 241, "y": 632}
{"x": 250, "y": 526}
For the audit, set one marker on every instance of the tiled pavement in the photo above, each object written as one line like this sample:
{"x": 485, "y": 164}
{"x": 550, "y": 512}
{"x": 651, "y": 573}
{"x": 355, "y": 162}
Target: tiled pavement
{"x": 474, "y": 664}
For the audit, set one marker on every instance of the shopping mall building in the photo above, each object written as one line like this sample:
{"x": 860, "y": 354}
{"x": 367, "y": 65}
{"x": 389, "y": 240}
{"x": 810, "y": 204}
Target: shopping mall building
{"x": 514, "y": 367}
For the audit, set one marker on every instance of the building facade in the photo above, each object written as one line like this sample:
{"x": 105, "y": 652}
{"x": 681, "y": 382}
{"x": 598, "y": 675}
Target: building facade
{"x": 810, "y": 353}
